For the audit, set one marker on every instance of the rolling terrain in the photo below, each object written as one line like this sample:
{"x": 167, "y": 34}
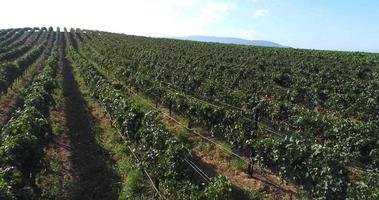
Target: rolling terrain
{"x": 90, "y": 114}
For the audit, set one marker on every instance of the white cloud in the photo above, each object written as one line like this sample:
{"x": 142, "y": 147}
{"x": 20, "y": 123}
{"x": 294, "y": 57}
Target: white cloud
{"x": 179, "y": 3}
{"x": 261, "y": 12}
{"x": 139, "y": 17}
{"x": 213, "y": 10}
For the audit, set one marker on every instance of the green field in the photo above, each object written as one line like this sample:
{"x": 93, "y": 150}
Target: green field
{"x": 96, "y": 115}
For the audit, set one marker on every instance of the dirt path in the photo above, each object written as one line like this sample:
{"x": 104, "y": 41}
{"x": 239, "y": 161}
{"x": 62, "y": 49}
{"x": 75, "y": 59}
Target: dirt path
{"x": 61, "y": 142}
{"x": 94, "y": 179}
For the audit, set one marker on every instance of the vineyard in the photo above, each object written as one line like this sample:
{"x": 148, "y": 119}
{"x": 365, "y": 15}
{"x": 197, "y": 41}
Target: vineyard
{"x": 95, "y": 115}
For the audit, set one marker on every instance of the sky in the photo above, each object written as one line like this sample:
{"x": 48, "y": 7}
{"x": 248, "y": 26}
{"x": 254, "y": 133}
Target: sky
{"x": 351, "y": 25}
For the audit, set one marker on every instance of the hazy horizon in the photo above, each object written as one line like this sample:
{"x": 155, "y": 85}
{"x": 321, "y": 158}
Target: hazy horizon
{"x": 325, "y": 25}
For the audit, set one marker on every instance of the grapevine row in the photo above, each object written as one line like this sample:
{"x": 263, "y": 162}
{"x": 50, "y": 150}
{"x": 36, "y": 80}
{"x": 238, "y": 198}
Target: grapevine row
{"x": 12, "y": 70}
{"x": 22, "y": 138}
{"x": 160, "y": 154}
{"x": 18, "y": 42}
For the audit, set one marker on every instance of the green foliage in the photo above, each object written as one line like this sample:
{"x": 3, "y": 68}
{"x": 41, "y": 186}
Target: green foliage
{"x": 219, "y": 189}
{"x": 314, "y": 166}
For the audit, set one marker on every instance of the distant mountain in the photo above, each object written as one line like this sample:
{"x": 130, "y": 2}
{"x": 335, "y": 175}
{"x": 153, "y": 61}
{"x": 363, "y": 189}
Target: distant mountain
{"x": 230, "y": 40}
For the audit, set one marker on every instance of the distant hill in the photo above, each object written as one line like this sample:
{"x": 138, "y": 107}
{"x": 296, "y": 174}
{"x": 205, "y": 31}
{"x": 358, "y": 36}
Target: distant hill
{"x": 230, "y": 40}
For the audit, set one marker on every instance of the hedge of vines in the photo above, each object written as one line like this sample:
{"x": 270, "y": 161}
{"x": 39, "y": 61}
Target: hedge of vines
{"x": 22, "y": 138}
{"x": 10, "y": 71}
{"x": 159, "y": 152}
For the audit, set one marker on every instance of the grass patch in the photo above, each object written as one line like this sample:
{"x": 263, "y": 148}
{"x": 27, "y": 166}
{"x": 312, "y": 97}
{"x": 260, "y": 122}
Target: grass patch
{"x": 132, "y": 189}
{"x": 55, "y": 184}
{"x": 238, "y": 164}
